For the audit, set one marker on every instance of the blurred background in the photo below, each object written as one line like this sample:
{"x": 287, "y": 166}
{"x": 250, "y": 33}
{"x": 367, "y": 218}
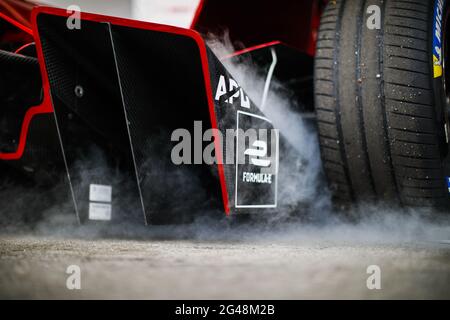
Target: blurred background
{"x": 173, "y": 12}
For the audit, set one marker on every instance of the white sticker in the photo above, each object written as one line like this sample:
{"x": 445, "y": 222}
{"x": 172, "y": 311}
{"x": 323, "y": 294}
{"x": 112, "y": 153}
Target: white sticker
{"x": 100, "y": 193}
{"x": 99, "y": 211}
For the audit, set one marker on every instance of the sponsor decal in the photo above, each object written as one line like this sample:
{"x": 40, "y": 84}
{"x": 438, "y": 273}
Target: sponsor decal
{"x": 259, "y": 152}
{"x": 256, "y": 163}
{"x": 437, "y": 38}
{"x": 257, "y": 177}
{"x": 230, "y": 91}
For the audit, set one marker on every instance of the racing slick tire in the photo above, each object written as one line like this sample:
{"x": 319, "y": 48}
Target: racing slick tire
{"x": 380, "y": 101}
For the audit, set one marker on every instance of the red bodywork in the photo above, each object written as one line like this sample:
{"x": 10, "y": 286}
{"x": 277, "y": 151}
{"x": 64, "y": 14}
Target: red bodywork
{"x": 18, "y": 11}
{"x": 17, "y": 15}
{"x": 250, "y": 24}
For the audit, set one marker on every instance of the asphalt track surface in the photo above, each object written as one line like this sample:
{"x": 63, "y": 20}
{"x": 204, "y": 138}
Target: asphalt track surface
{"x": 207, "y": 262}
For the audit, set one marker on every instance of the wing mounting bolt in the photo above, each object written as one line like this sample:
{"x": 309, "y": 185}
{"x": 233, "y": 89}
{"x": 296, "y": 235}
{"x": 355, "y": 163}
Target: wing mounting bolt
{"x": 79, "y": 91}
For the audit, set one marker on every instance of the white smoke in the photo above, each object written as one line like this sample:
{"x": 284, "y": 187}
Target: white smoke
{"x": 316, "y": 223}
{"x": 373, "y": 222}
{"x": 301, "y": 176}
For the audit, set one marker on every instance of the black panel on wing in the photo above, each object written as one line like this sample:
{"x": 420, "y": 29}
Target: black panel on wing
{"x": 163, "y": 90}
{"x": 86, "y": 97}
{"x": 251, "y": 162}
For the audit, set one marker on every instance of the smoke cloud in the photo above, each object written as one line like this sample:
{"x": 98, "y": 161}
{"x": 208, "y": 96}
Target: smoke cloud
{"x": 315, "y": 222}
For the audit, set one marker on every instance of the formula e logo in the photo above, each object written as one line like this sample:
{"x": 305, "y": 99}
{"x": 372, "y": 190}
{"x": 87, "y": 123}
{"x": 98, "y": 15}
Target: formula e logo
{"x": 260, "y": 151}
{"x": 256, "y": 162}
{"x": 229, "y": 91}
